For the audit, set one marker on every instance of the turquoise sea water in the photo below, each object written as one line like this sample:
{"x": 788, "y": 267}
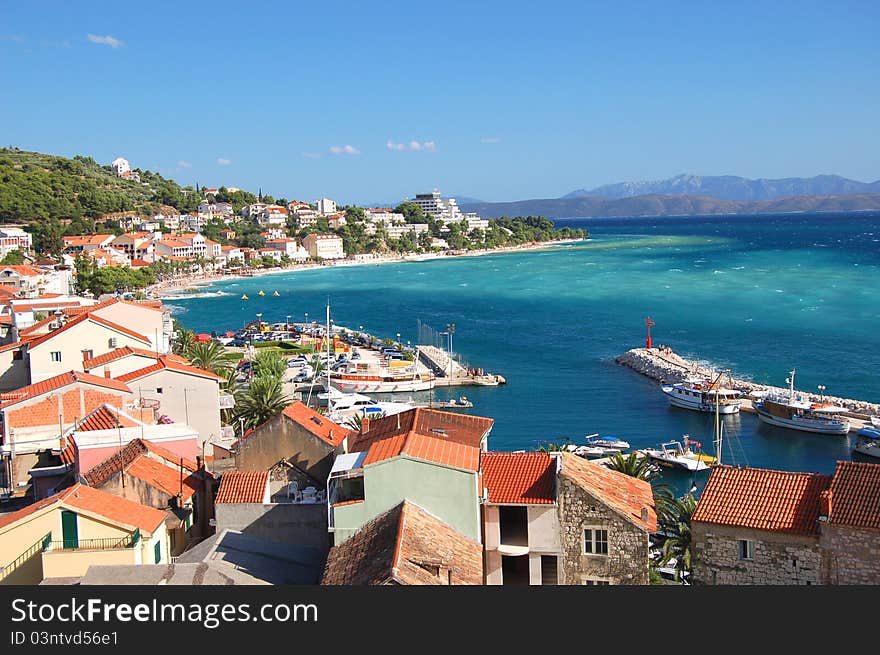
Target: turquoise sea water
{"x": 759, "y": 295}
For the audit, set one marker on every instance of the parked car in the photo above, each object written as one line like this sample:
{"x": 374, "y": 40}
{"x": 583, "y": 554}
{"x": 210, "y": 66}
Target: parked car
{"x": 304, "y": 375}
{"x": 236, "y": 343}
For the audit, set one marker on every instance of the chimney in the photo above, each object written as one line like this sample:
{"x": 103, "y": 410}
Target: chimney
{"x": 365, "y": 425}
{"x": 107, "y": 373}
{"x": 644, "y": 514}
{"x": 825, "y": 505}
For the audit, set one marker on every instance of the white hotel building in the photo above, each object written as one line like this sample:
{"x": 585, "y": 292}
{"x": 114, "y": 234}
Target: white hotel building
{"x": 446, "y": 210}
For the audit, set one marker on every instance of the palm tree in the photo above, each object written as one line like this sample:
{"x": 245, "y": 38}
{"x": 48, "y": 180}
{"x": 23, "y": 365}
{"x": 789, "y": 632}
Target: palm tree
{"x": 209, "y": 356}
{"x": 185, "y": 340}
{"x": 355, "y": 421}
{"x": 269, "y": 363}
{"x": 643, "y": 469}
{"x": 261, "y": 401}
{"x": 554, "y": 446}
{"x": 676, "y": 531}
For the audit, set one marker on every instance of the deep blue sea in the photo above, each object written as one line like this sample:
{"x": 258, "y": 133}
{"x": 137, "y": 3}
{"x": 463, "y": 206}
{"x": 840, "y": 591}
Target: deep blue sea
{"x": 759, "y": 295}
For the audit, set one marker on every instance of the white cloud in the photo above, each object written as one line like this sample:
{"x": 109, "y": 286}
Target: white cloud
{"x": 490, "y": 139}
{"x": 113, "y": 42}
{"x": 311, "y": 155}
{"x": 184, "y": 164}
{"x": 428, "y": 146}
{"x": 223, "y": 162}
{"x": 344, "y": 150}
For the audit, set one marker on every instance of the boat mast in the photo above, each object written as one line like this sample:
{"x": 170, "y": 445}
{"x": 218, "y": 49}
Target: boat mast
{"x": 329, "y": 399}
{"x": 791, "y": 385}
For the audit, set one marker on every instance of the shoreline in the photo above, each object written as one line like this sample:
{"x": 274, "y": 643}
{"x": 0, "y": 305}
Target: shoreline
{"x": 165, "y": 289}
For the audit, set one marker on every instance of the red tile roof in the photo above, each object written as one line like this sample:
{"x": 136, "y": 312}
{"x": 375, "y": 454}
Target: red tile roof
{"x": 87, "y": 239}
{"x": 164, "y": 362}
{"x": 405, "y": 546}
{"x": 105, "y": 418}
{"x": 89, "y": 316}
{"x": 116, "y": 354}
{"x": 627, "y": 495}
{"x": 242, "y": 487}
{"x": 855, "y": 495}
{"x": 122, "y": 512}
{"x": 165, "y": 478}
{"x": 320, "y": 426}
{"x": 762, "y": 499}
{"x": 7, "y": 290}
{"x": 53, "y": 383}
{"x": 519, "y": 478}
{"x": 441, "y": 437}
{"x": 131, "y": 452}
{"x": 22, "y": 269}
{"x": 118, "y": 510}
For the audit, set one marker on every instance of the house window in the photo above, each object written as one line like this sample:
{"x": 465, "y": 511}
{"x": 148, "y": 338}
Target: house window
{"x": 595, "y": 582}
{"x": 88, "y": 354}
{"x": 595, "y": 541}
{"x": 55, "y": 356}
{"x": 746, "y": 549}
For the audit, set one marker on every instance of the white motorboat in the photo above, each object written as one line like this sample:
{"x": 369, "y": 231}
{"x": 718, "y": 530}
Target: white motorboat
{"x": 797, "y": 412}
{"x": 702, "y": 395}
{"x": 351, "y": 404}
{"x": 875, "y": 422}
{"x": 681, "y": 455}
{"x": 868, "y": 442}
{"x": 609, "y": 442}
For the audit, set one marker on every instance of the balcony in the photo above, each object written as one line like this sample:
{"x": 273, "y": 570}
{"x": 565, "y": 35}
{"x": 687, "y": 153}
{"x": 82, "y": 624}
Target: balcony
{"x": 112, "y": 543}
{"x": 227, "y": 401}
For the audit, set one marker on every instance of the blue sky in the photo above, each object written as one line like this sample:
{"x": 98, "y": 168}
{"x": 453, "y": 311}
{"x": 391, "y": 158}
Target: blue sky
{"x": 369, "y": 102}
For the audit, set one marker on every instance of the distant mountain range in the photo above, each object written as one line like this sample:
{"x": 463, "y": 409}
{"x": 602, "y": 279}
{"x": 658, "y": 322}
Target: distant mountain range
{"x": 672, "y": 205}
{"x": 731, "y": 187}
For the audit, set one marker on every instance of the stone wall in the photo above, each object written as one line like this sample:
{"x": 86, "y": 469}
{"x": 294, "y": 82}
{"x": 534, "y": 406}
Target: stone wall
{"x": 628, "y": 548}
{"x": 779, "y": 558}
{"x": 300, "y": 525}
{"x": 850, "y": 555}
{"x": 668, "y": 367}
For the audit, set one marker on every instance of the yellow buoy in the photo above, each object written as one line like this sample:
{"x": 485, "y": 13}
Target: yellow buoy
{"x": 262, "y": 293}
{"x": 244, "y": 296}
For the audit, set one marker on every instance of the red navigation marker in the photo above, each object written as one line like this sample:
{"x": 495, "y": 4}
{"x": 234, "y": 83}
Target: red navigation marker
{"x": 648, "y": 323}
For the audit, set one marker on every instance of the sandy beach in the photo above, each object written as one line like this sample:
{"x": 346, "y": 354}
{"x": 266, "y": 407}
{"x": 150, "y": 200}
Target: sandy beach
{"x": 173, "y": 286}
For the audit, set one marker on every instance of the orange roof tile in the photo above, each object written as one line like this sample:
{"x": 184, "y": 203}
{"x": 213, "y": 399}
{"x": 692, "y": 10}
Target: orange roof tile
{"x": 163, "y": 477}
{"x": 441, "y": 437}
{"x": 116, "y": 354}
{"x": 105, "y": 418}
{"x": 89, "y": 316}
{"x": 22, "y": 269}
{"x": 855, "y": 495}
{"x": 117, "y": 510}
{"x": 320, "y": 426}
{"x": 242, "y": 487}
{"x": 56, "y": 382}
{"x": 762, "y": 499}
{"x": 519, "y": 478}
{"x": 6, "y": 290}
{"x": 623, "y": 493}
{"x": 171, "y": 363}
{"x": 406, "y": 546}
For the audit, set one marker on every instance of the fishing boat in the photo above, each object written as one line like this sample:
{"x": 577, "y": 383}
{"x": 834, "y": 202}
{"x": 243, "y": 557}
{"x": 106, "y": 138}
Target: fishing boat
{"x": 681, "y": 455}
{"x": 796, "y": 412}
{"x": 868, "y": 442}
{"x": 703, "y": 395}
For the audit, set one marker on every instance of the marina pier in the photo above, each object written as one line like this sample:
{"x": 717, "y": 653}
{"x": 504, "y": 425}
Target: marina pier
{"x": 666, "y": 366}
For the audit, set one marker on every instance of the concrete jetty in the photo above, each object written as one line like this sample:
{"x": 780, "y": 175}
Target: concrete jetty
{"x": 666, "y": 366}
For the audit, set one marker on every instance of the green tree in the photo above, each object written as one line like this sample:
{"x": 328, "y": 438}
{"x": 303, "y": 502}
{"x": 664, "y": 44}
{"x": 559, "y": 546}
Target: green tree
{"x": 262, "y": 400}
{"x": 13, "y": 258}
{"x": 412, "y": 213}
{"x": 210, "y": 356}
{"x": 269, "y": 363}
{"x": 676, "y": 530}
{"x": 643, "y": 468}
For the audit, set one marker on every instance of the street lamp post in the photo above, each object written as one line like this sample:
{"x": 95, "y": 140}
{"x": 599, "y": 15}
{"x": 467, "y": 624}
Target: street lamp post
{"x": 287, "y": 323}
{"x": 450, "y": 329}
{"x": 821, "y": 388}
{"x": 398, "y": 340}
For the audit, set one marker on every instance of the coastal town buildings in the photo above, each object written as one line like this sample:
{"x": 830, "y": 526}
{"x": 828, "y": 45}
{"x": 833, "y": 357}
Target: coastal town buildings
{"x": 757, "y": 526}
{"x": 556, "y": 518}
{"x": 326, "y": 207}
{"x": 14, "y": 238}
{"x": 429, "y": 457}
{"x": 446, "y": 210}
{"x": 324, "y": 246}
{"x": 121, "y": 167}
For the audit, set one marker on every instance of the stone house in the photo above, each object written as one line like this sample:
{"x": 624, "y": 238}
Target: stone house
{"x": 405, "y": 546}
{"x": 754, "y": 526}
{"x": 298, "y": 442}
{"x": 425, "y": 456}
{"x": 559, "y": 519}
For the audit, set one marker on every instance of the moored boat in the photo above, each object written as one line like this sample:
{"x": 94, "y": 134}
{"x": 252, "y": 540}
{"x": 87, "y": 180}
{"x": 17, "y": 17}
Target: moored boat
{"x": 385, "y": 381}
{"x": 702, "y": 395}
{"x": 797, "y": 412}
{"x": 868, "y": 442}
{"x": 681, "y": 455}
